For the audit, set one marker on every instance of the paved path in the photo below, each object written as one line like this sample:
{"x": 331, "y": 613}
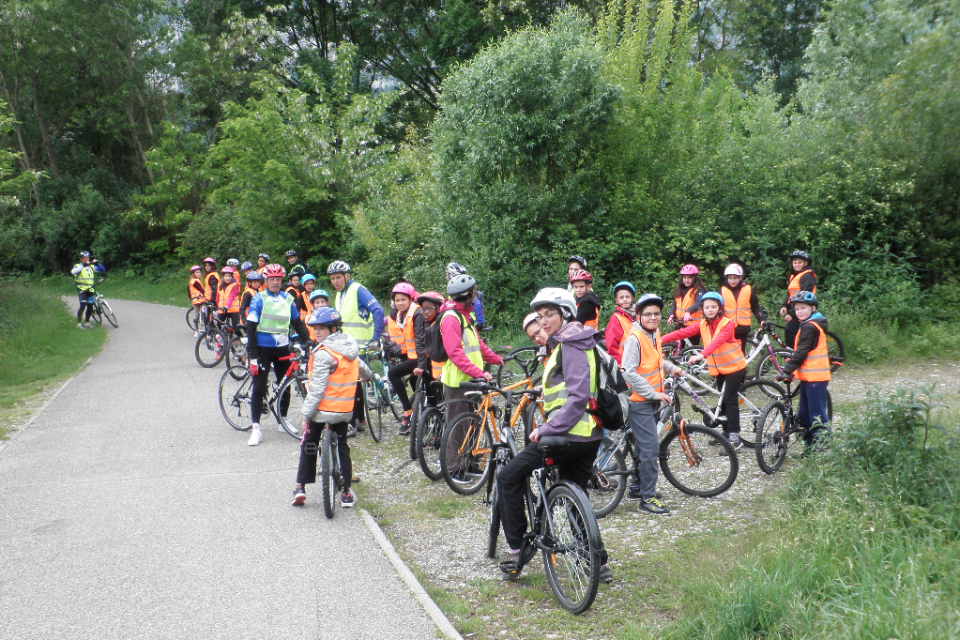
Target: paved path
{"x": 130, "y": 509}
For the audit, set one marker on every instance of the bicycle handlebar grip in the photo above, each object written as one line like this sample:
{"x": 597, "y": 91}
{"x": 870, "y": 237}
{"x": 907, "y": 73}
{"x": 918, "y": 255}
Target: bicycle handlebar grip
{"x": 472, "y": 386}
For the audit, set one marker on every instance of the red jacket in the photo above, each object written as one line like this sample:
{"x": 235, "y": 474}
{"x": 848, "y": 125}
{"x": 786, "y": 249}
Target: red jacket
{"x": 614, "y": 335}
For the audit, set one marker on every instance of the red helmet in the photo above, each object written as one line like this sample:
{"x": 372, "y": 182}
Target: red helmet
{"x": 406, "y": 289}
{"x": 274, "y": 271}
{"x": 228, "y": 269}
{"x": 210, "y": 260}
{"x": 432, "y": 296}
{"x": 689, "y": 270}
{"x": 581, "y": 275}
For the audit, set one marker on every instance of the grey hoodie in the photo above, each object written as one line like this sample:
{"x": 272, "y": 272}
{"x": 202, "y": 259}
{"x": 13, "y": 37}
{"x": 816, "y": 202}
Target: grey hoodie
{"x": 574, "y": 339}
{"x": 323, "y": 365}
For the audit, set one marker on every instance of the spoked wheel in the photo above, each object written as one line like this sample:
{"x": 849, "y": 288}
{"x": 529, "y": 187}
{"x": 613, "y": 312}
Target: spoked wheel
{"x": 517, "y": 364}
{"x": 767, "y": 370}
{"x": 108, "y": 313}
{"x": 328, "y": 479}
{"x": 97, "y": 315}
{"x": 417, "y": 411}
{"x": 210, "y": 349}
{"x": 193, "y": 317}
{"x": 493, "y": 527}
{"x": 701, "y": 464}
{"x": 237, "y": 353}
{"x": 572, "y": 562}
{"x": 374, "y": 414}
{"x": 465, "y": 453}
{"x": 606, "y": 487}
{"x": 428, "y": 439}
{"x": 753, "y": 398}
{"x": 293, "y": 393}
{"x": 236, "y": 390}
{"x": 771, "y": 446}
{"x": 834, "y": 350}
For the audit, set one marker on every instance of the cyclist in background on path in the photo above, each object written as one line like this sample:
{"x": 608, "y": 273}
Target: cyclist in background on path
{"x": 228, "y": 297}
{"x": 296, "y": 266}
{"x": 686, "y": 299}
{"x": 335, "y": 369}
{"x": 455, "y": 269}
{"x": 621, "y": 320}
{"x": 739, "y": 301}
{"x": 802, "y": 278}
{"x": 85, "y": 279}
{"x": 362, "y": 318}
{"x": 271, "y": 314}
{"x": 195, "y": 292}
{"x": 262, "y": 261}
{"x": 588, "y": 303}
{"x": 253, "y": 283}
{"x": 211, "y": 280}
{"x": 407, "y": 341}
{"x": 574, "y": 264}
{"x": 810, "y": 363}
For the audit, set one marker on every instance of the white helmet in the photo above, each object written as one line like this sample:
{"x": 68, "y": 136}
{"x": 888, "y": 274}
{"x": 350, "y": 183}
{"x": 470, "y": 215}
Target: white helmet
{"x": 733, "y": 270}
{"x": 557, "y": 297}
{"x": 337, "y": 266}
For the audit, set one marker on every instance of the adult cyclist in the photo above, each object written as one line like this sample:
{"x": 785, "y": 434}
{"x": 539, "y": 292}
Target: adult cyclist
{"x": 297, "y": 268}
{"x": 362, "y": 318}
{"x": 83, "y": 276}
{"x": 271, "y": 314}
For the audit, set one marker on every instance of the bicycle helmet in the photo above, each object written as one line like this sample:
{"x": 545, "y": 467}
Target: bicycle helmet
{"x": 712, "y": 295}
{"x": 307, "y": 277}
{"x": 454, "y": 269}
{"x": 254, "y": 276}
{"x": 581, "y": 275}
{"x": 806, "y": 297}
{"x": 623, "y": 284}
{"x": 405, "y": 288}
{"x": 733, "y": 270}
{"x": 210, "y": 260}
{"x": 580, "y": 260}
{"x": 432, "y": 296}
{"x": 233, "y": 262}
{"x": 246, "y": 266}
{"x": 800, "y": 254}
{"x": 84, "y": 254}
{"x": 461, "y": 287}
{"x": 327, "y": 316}
{"x": 195, "y": 267}
{"x": 228, "y": 269}
{"x": 290, "y": 254}
{"x": 558, "y": 298}
{"x": 319, "y": 293}
{"x": 646, "y": 300}
{"x": 338, "y": 266}
{"x": 265, "y": 256}
{"x": 689, "y": 270}
{"x": 274, "y": 271}
{"x": 529, "y": 319}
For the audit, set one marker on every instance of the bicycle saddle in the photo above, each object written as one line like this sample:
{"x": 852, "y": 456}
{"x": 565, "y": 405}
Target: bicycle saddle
{"x": 552, "y": 443}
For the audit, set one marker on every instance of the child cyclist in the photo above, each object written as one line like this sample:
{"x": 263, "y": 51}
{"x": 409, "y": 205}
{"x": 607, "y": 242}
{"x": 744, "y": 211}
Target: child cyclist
{"x": 739, "y": 301}
{"x": 228, "y": 298}
{"x": 802, "y": 278}
{"x": 402, "y": 328}
{"x": 336, "y": 368}
{"x": 725, "y": 361}
{"x": 588, "y": 304}
{"x": 308, "y": 283}
{"x": 620, "y": 324}
{"x": 686, "y": 298}
{"x": 430, "y": 303}
{"x": 810, "y": 363}
{"x": 254, "y": 282}
{"x": 196, "y": 294}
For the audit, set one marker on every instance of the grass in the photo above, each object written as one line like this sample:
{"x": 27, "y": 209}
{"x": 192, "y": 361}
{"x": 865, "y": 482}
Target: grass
{"x": 40, "y": 346}
{"x": 158, "y": 290}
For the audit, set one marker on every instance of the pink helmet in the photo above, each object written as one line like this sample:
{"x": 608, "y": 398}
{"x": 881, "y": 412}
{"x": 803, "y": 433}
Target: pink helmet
{"x": 228, "y": 269}
{"x": 733, "y": 270}
{"x": 406, "y": 289}
{"x": 210, "y": 260}
{"x": 689, "y": 270}
{"x": 274, "y": 271}
{"x": 195, "y": 267}
{"x": 581, "y": 275}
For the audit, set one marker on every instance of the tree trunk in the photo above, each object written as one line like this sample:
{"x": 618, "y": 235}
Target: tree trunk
{"x": 136, "y": 140}
{"x": 42, "y": 125}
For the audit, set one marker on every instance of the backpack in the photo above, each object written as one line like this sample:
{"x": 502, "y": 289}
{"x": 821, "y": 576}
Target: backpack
{"x": 613, "y": 398}
{"x": 434, "y": 341}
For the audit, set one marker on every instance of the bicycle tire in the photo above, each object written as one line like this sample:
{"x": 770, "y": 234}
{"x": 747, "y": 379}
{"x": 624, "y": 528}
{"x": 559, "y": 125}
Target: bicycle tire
{"x": 327, "y": 483}
{"x": 518, "y": 364}
{"x": 574, "y": 573}
{"x": 107, "y": 312}
{"x": 465, "y": 471}
{"x": 493, "y": 525}
{"x": 209, "y": 350}
{"x": 235, "y": 395}
{"x": 416, "y": 410}
{"x": 429, "y": 437}
{"x": 754, "y": 396}
{"x": 193, "y": 317}
{"x": 765, "y": 367}
{"x": 606, "y": 486}
{"x": 376, "y": 430}
{"x": 834, "y": 350}
{"x": 237, "y": 353}
{"x": 771, "y": 446}
{"x": 96, "y": 314}
{"x": 293, "y": 419}
{"x": 706, "y": 472}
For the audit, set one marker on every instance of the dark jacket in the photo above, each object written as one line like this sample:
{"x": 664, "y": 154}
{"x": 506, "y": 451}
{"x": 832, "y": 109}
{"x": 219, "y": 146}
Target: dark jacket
{"x": 806, "y": 341}
{"x": 588, "y": 307}
{"x": 574, "y": 339}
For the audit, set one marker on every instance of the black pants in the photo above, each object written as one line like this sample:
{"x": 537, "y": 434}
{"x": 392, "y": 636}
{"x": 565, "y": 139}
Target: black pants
{"x": 742, "y": 335}
{"x": 268, "y": 356}
{"x": 396, "y": 377}
{"x": 310, "y": 447}
{"x": 86, "y": 302}
{"x": 232, "y": 320}
{"x": 730, "y": 403}
{"x": 359, "y": 402}
{"x": 576, "y": 465}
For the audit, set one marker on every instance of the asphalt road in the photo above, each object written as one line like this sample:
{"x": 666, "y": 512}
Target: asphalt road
{"x": 130, "y": 509}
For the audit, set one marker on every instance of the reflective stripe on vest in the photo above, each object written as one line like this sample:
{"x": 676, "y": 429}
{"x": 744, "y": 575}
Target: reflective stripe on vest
{"x": 556, "y": 396}
{"x": 793, "y": 286}
{"x": 341, "y": 385}
{"x": 816, "y": 366}
{"x": 85, "y": 278}
{"x": 275, "y": 316}
{"x": 195, "y": 291}
{"x": 687, "y": 304}
{"x": 409, "y": 341}
{"x": 651, "y": 363}
{"x": 353, "y": 325}
{"x": 224, "y": 293}
{"x": 728, "y": 358}
{"x": 737, "y": 309}
{"x": 452, "y": 376}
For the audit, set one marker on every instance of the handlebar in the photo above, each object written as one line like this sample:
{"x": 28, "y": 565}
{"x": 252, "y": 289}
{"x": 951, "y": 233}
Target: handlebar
{"x": 480, "y": 384}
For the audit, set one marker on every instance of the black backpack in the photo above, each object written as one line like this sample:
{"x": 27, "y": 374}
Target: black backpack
{"x": 434, "y": 341}
{"x": 613, "y": 403}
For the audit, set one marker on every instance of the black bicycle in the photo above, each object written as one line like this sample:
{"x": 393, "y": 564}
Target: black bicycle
{"x": 331, "y": 479}
{"x": 777, "y": 424}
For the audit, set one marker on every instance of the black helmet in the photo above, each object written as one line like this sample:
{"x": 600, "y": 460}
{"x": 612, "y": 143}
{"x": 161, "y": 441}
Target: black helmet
{"x": 806, "y": 297}
{"x": 579, "y": 260}
{"x": 646, "y": 300}
{"x": 800, "y": 254}
{"x": 461, "y": 287}
{"x": 290, "y": 254}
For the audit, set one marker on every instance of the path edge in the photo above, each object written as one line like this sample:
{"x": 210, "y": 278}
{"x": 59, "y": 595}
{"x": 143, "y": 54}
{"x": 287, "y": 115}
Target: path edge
{"x": 441, "y": 620}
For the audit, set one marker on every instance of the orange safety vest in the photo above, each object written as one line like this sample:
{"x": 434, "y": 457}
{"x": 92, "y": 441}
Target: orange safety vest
{"x": 224, "y": 293}
{"x": 195, "y": 291}
{"x": 793, "y": 286}
{"x": 293, "y": 291}
{"x": 651, "y": 363}
{"x": 395, "y": 333}
{"x": 728, "y": 358}
{"x": 409, "y": 342}
{"x": 625, "y": 323}
{"x": 737, "y": 309}
{"x": 341, "y": 385}
{"x": 685, "y": 304}
{"x": 209, "y": 291}
{"x": 816, "y": 366}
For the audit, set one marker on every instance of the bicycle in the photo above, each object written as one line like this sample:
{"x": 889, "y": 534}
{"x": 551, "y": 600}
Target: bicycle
{"x": 466, "y": 445}
{"x": 775, "y": 427}
{"x": 378, "y": 392}
{"x": 209, "y": 349}
{"x": 429, "y": 436}
{"x": 834, "y": 348}
{"x": 562, "y": 523}
{"x": 102, "y": 309}
{"x": 236, "y": 393}
{"x": 331, "y": 478}
{"x": 518, "y": 364}
{"x": 419, "y": 405}
{"x": 688, "y": 458}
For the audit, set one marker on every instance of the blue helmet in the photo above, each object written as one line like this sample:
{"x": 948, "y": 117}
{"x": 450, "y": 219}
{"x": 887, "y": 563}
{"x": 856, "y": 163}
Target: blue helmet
{"x": 712, "y": 295}
{"x": 254, "y": 276}
{"x": 246, "y": 266}
{"x": 84, "y": 254}
{"x": 325, "y": 316}
{"x": 623, "y": 284}
{"x": 307, "y": 278}
{"x": 319, "y": 293}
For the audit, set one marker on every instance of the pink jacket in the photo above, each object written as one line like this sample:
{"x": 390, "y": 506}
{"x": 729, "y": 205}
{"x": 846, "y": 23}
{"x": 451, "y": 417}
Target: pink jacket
{"x": 453, "y": 340}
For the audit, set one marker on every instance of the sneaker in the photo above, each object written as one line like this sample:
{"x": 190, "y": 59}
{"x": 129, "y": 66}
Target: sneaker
{"x": 347, "y": 499}
{"x": 196, "y": 334}
{"x": 87, "y": 325}
{"x": 735, "y": 442}
{"x": 606, "y": 576}
{"x": 351, "y": 431}
{"x": 511, "y": 567}
{"x": 299, "y": 496}
{"x": 405, "y": 426}
{"x": 79, "y": 325}
{"x": 361, "y": 426}
{"x": 634, "y": 494}
{"x": 655, "y": 506}
{"x": 256, "y": 436}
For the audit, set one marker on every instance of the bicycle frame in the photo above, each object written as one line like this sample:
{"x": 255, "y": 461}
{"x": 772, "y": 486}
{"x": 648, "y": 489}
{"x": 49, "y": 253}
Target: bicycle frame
{"x": 486, "y": 409}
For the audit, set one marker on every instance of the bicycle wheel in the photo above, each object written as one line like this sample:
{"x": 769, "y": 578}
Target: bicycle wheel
{"x": 754, "y": 396}
{"x": 769, "y": 367}
{"x": 572, "y": 562}
{"x": 465, "y": 453}
{"x": 236, "y": 390}
{"x": 193, "y": 317}
{"x": 429, "y": 437}
{"x": 416, "y": 412}
{"x": 493, "y": 527}
{"x": 108, "y": 313}
{"x": 771, "y": 446}
{"x": 606, "y": 487}
{"x": 834, "y": 350}
{"x": 374, "y": 414}
{"x": 292, "y": 418}
{"x": 390, "y": 399}
{"x": 210, "y": 350}
{"x": 97, "y": 315}
{"x": 237, "y": 353}
{"x": 328, "y": 485}
{"x": 703, "y": 465}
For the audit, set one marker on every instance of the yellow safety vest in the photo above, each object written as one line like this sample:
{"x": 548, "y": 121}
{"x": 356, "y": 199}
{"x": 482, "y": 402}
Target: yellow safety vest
{"x": 556, "y": 396}
{"x": 353, "y": 324}
{"x": 452, "y": 376}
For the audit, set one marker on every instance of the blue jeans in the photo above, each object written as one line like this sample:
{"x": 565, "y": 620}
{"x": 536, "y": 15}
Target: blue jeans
{"x": 812, "y": 410}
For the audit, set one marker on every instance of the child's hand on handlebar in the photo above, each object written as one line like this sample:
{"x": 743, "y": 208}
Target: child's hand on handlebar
{"x": 664, "y": 398}
{"x": 487, "y": 376}
{"x": 695, "y": 359}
